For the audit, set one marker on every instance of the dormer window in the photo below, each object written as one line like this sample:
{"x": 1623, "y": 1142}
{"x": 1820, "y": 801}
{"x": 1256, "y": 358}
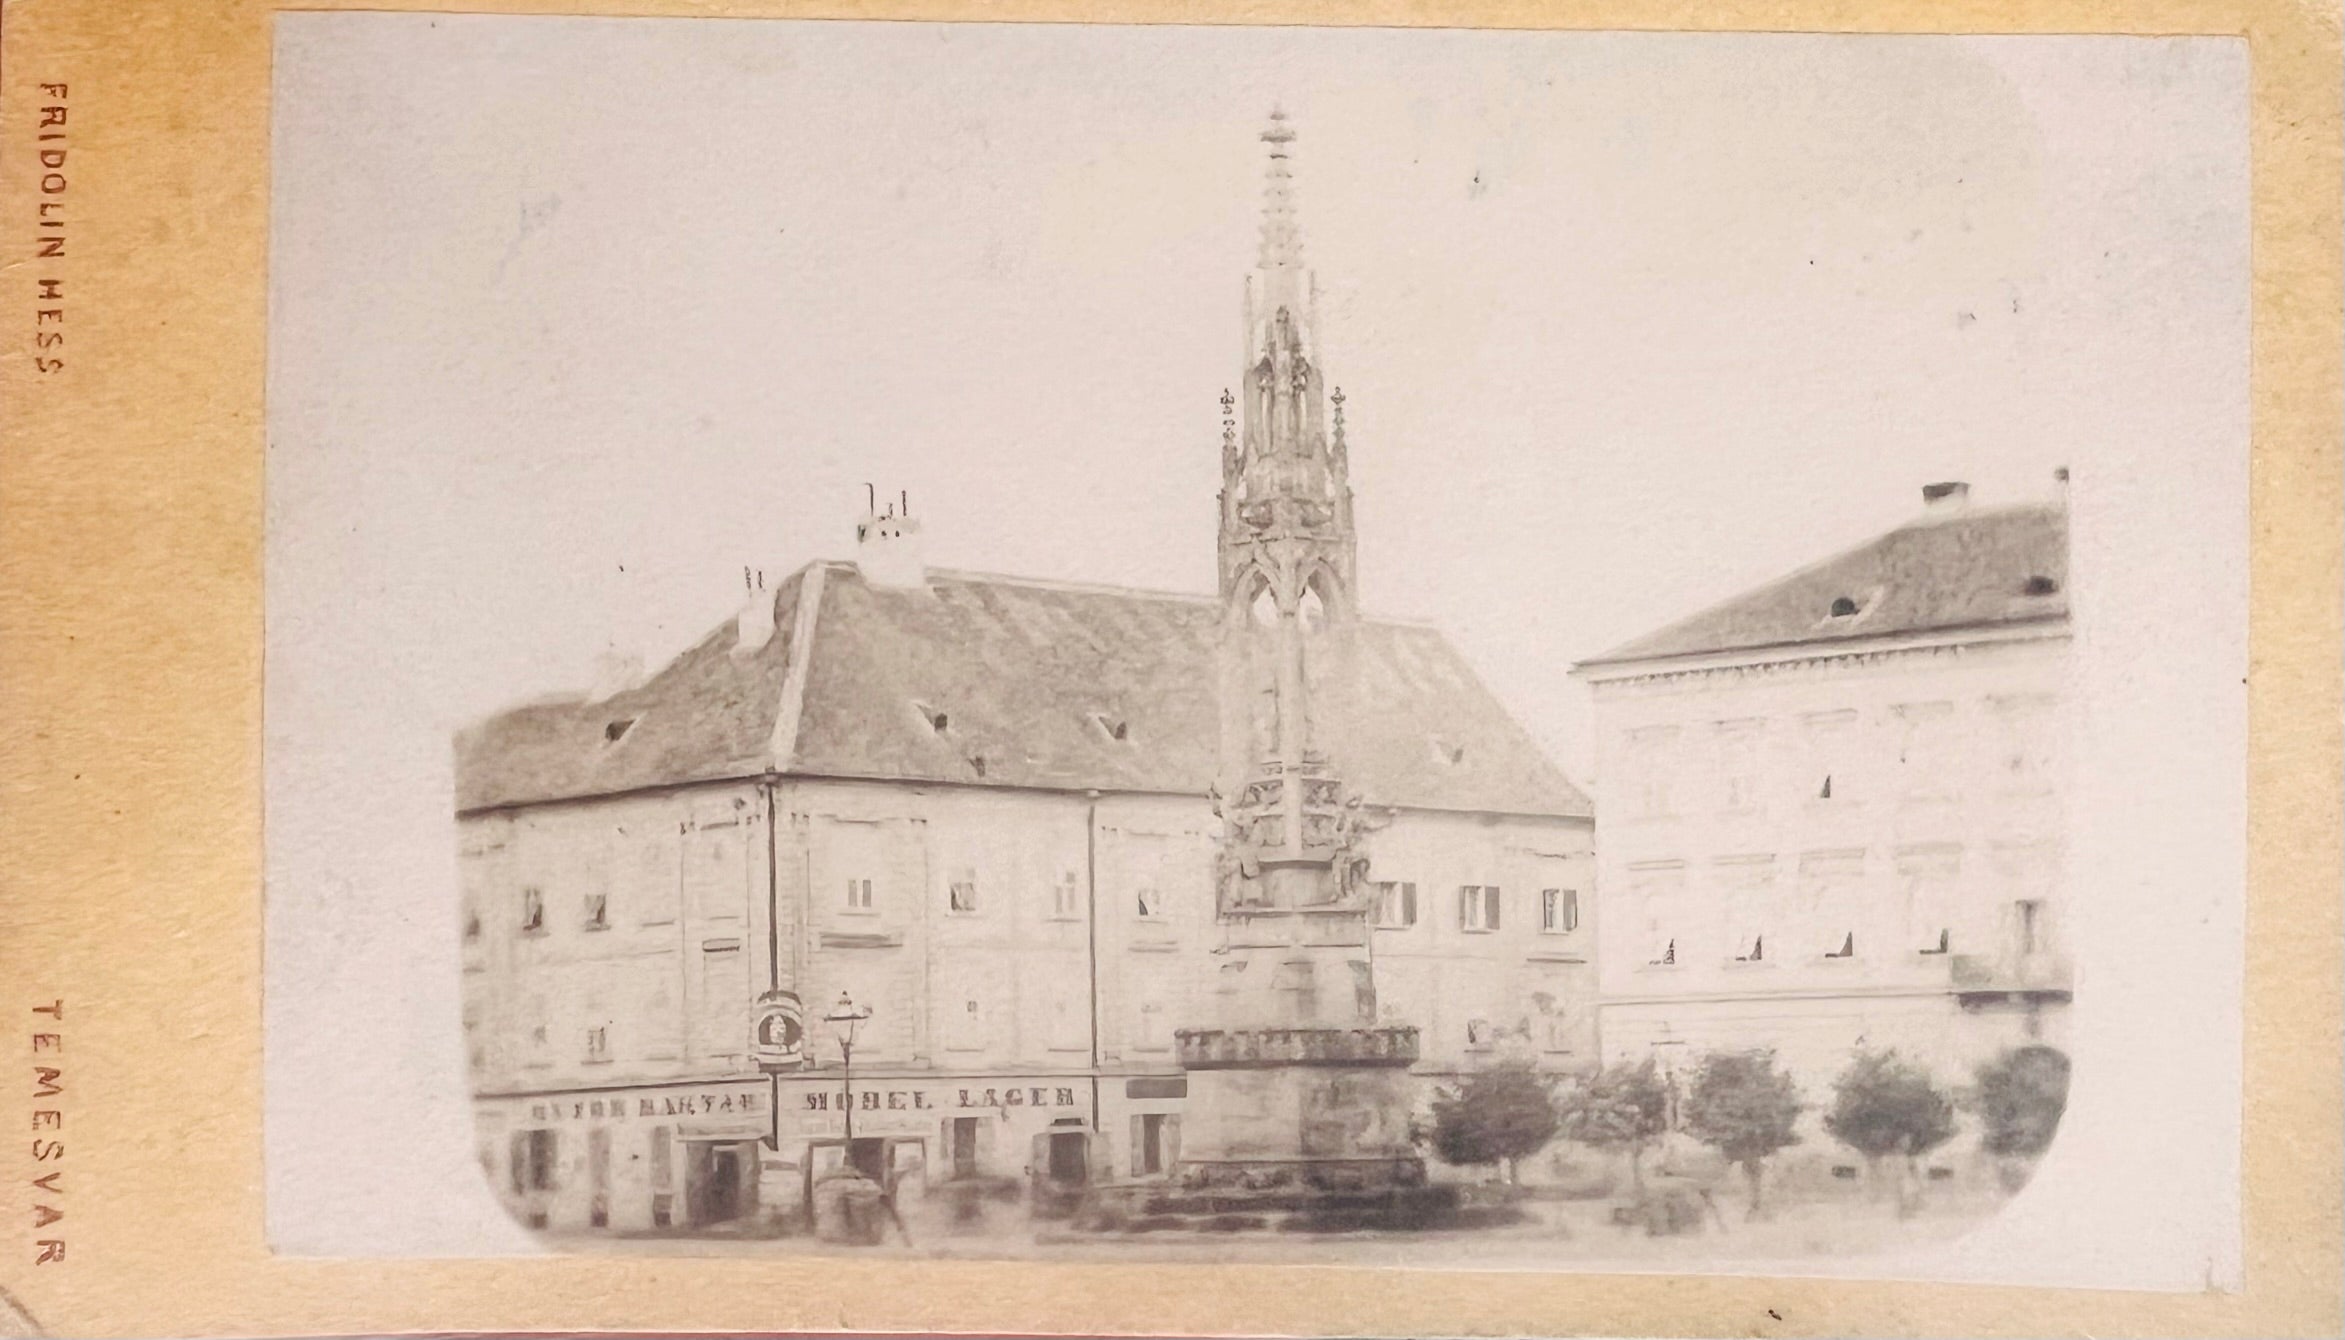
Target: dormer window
{"x": 617, "y": 730}
{"x": 1114, "y": 728}
{"x": 1843, "y": 608}
{"x": 1451, "y": 754}
{"x": 936, "y": 719}
{"x": 2040, "y": 585}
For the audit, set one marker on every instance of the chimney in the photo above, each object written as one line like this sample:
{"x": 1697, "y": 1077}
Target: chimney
{"x": 1945, "y": 499}
{"x": 753, "y": 627}
{"x": 887, "y": 543}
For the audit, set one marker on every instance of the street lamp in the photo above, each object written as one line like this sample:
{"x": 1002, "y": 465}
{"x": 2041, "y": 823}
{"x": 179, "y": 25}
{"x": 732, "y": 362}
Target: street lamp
{"x": 842, "y": 1019}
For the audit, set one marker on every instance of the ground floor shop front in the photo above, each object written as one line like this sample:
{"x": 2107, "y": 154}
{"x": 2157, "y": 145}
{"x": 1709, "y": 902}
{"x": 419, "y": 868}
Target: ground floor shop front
{"x": 747, "y": 1156}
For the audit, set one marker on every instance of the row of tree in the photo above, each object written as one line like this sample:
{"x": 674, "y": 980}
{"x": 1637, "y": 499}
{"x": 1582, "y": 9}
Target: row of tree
{"x": 1747, "y": 1107}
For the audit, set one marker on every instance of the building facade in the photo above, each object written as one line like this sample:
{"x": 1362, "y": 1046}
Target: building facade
{"x": 1834, "y": 808}
{"x": 986, "y": 810}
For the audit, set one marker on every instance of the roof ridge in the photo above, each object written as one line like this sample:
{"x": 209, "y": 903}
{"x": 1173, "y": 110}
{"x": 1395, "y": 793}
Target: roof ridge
{"x": 791, "y": 711}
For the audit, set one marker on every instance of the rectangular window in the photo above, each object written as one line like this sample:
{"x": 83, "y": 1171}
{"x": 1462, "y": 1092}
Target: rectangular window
{"x": 1151, "y": 904}
{"x": 1479, "y": 1034}
{"x": 965, "y": 1027}
{"x": 1151, "y": 1030}
{"x": 1396, "y": 904}
{"x": 1151, "y": 1145}
{"x": 858, "y": 895}
{"x": 961, "y": 895}
{"x": 1066, "y": 897}
{"x": 537, "y": 1164}
{"x": 1559, "y": 911}
{"x": 598, "y": 912}
{"x": 533, "y": 911}
{"x": 598, "y": 1043}
{"x": 964, "y": 1145}
{"x": 1738, "y": 766}
{"x": 1477, "y": 907}
{"x": 1650, "y": 763}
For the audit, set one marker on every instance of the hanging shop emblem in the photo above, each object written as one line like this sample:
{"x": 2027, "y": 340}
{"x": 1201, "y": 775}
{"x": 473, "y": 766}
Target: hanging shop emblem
{"x": 778, "y": 1039}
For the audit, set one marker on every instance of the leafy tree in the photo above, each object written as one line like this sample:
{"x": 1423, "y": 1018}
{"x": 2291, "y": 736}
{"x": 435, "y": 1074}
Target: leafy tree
{"x": 2019, "y": 1098}
{"x": 1883, "y": 1107}
{"x": 1744, "y": 1106}
{"x": 1626, "y": 1107}
{"x": 1495, "y": 1116}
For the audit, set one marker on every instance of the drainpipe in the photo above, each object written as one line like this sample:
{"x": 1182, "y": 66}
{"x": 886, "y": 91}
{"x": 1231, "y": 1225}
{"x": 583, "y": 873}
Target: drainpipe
{"x": 1091, "y": 930}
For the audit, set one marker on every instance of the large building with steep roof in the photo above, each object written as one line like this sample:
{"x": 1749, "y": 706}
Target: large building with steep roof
{"x": 986, "y": 809}
{"x": 1834, "y": 807}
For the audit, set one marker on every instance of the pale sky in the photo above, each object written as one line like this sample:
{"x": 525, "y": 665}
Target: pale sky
{"x": 575, "y": 318}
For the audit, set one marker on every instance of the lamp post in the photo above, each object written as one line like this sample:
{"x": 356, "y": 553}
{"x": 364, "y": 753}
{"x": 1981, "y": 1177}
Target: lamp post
{"x": 842, "y": 1019}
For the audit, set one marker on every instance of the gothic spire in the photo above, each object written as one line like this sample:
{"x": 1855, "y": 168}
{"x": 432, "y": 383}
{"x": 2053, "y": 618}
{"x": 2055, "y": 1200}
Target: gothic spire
{"x": 1282, "y": 240}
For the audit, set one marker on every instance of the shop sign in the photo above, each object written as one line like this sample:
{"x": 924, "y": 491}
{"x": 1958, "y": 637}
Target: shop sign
{"x": 778, "y": 1036}
{"x": 685, "y": 1103}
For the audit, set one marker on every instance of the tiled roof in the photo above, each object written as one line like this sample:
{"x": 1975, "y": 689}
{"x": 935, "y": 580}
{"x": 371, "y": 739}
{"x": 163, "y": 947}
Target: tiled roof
{"x": 1000, "y": 682}
{"x": 1974, "y": 569}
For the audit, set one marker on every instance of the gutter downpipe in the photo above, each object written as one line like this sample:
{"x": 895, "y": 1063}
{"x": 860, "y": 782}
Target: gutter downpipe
{"x": 1091, "y": 931}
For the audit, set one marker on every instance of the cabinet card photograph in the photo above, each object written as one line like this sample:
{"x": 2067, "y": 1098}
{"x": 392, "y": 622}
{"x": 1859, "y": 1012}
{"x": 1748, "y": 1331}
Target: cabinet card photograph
{"x": 1464, "y": 650}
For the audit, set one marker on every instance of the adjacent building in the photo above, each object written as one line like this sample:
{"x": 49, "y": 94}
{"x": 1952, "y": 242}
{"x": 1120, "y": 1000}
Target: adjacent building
{"x": 1833, "y": 808}
{"x": 983, "y": 808}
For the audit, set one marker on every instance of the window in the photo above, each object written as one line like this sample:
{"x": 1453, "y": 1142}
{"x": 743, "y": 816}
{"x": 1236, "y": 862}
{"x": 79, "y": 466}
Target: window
{"x": 1843, "y": 607}
{"x": 598, "y": 912}
{"x": 1151, "y": 904}
{"x": 1831, "y": 900}
{"x": 2040, "y": 585}
{"x": 1066, "y": 898}
{"x": 1847, "y": 947}
{"x": 1649, "y": 752}
{"x": 858, "y": 895}
{"x": 598, "y": 1043}
{"x": 471, "y": 926}
{"x": 1478, "y": 1034}
{"x": 2031, "y": 925}
{"x": 1396, "y": 904}
{"x": 1738, "y": 766}
{"x": 617, "y": 730}
{"x": 533, "y": 1157}
{"x": 533, "y": 911}
{"x": 1668, "y": 955}
{"x": 965, "y": 1027}
{"x": 966, "y": 1133}
{"x": 1155, "y": 1137}
{"x": 1557, "y": 1034}
{"x": 961, "y": 895}
{"x": 1477, "y": 907}
{"x": 1151, "y": 1032}
{"x": 1559, "y": 911}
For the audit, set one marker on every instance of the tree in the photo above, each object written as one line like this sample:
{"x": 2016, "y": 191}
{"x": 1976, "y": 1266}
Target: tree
{"x": 1494, "y": 1116}
{"x": 2019, "y": 1098}
{"x": 1624, "y": 1107}
{"x": 1744, "y": 1106}
{"x": 1883, "y": 1107}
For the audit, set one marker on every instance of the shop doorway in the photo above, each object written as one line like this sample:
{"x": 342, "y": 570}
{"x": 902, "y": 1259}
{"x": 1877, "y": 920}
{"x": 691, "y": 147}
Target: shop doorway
{"x": 716, "y": 1188}
{"x": 868, "y": 1155}
{"x": 964, "y": 1146}
{"x": 1070, "y": 1157}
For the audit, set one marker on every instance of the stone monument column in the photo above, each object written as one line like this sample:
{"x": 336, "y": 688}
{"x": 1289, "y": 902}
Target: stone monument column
{"x": 1295, "y": 1092}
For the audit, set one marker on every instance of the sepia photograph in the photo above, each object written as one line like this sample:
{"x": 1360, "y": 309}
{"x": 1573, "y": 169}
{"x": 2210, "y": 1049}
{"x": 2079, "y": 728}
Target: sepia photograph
{"x": 1429, "y": 648}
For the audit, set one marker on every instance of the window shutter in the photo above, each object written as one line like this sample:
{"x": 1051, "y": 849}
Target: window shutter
{"x": 1139, "y": 1154}
{"x": 1465, "y": 905}
{"x": 1490, "y": 906}
{"x": 1408, "y": 904}
{"x": 517, "y": 1150}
